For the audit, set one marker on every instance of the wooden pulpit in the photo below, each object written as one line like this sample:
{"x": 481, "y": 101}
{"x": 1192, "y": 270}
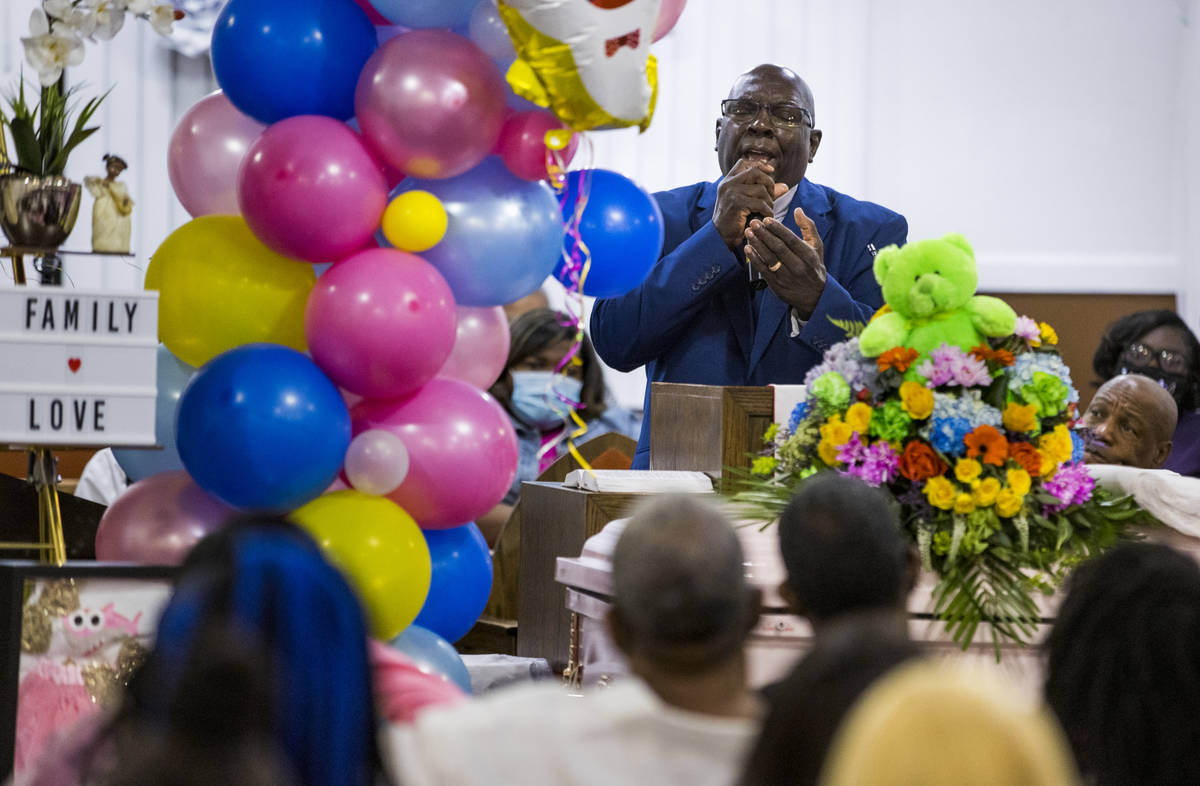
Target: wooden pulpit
{"x": 707, "y": 428}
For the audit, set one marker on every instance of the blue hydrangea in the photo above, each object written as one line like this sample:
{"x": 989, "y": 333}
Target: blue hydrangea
{"x": 946, "y": 435}
{"x": 1076, "y": 447}
{"x": 799, "y": 413}
{"x": 1021, "y": 372}
{"x": 968, "y": 404}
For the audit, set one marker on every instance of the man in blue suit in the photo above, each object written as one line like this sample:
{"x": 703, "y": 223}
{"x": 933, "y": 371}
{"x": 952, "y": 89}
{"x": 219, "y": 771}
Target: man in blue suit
{"x": 756, "y": 266}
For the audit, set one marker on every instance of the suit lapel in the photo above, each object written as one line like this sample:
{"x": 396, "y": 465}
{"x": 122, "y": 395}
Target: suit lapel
{"x": 772, "y": 311}
{"x": 733, "y": 300}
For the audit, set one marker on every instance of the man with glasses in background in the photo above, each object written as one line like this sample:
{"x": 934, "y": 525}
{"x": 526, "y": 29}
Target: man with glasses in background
{"x": 762, "y": 270}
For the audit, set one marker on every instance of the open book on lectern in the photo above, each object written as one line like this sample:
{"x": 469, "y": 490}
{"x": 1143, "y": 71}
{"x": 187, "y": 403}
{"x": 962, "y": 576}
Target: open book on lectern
{"x": 639, "y": 480}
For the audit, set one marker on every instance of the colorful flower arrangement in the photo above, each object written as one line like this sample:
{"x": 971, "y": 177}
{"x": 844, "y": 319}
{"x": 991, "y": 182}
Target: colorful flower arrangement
{"x": 979, "y": 452}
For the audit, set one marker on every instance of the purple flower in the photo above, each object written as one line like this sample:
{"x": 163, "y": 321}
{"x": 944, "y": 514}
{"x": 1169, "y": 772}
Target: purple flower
{"x": 881, "y": 464}
{"x": 1071, "y": 484}
{"x": 1027, "y": 329}
{"x": 949, "y": 365}
{"x": 875, "y": 464}
{"x": 854, "y": 451}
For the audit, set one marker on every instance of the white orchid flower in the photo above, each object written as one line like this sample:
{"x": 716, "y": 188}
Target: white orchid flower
{"x": 140, "y": 7}
{"x": 109, "y": 16}
{"x": 49, "y": 52}
{"x": 162, "y": 18}
{"x": 67, "y": 19}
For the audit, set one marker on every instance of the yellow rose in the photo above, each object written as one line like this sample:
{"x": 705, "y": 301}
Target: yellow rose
{"x": 1018, "y": 417}
{"x": 1019, "y": 482}
{"x": 836, "y": 432}
{"x": 986, "y": 492}
{"x": 1057, "y": 444}
{"x": 940, "y": 492}
{"x": 1008, "y": 502}
{"x": 828, "y": 452}
{"x": 917, "y": 400}
{"x": 1047, "y": 333}
{"x": 858, "y": 417}
{"x": 963, "y": 503}
{"x": 967, "y": 469}
{"x": 1049, "y": 465}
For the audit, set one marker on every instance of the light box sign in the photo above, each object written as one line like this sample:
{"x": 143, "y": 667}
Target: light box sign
{"x": 77, "y": 367}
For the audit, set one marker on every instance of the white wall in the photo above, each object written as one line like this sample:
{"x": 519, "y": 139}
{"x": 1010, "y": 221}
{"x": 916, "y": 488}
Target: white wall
{"x": 152, "y": 88}
{"x": 1061, "y": 136}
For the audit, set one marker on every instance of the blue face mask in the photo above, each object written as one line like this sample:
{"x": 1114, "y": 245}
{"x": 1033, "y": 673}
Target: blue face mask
{"x": 535, "y": 397}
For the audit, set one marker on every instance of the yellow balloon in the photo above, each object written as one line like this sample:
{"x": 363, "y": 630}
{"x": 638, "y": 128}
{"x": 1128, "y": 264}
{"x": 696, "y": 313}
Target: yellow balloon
{"x": 220, "y": 287}
{"x": 379, "y": 548}
{"x": 414, "y": 221}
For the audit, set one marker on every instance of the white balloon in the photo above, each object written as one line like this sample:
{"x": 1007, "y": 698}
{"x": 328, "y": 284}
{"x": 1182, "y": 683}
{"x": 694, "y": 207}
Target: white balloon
{"x": 376, "y": 462}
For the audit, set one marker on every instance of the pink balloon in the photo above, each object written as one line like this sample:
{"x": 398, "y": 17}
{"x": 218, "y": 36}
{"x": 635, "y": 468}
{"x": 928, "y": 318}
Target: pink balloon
{"x": 480, "y": 346}
{"x": 431, "y": 103}
{"x": 310, "y": 190}
{"x": 207, "y": 147}
{"x": 158, "y": 520}
{"x": 380, "y": 323}
{"x": 522, "y": 143}
{"x": 668, "y": 15}
{"x": 376, "y": 462}
{"x": 462, "y": 450}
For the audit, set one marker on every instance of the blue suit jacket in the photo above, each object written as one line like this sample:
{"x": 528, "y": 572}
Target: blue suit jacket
{"x": 691, "y": 319}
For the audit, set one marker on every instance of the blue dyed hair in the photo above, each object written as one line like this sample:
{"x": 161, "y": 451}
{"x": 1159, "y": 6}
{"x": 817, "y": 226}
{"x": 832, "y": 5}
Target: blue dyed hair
{"x": 264, "y": 582}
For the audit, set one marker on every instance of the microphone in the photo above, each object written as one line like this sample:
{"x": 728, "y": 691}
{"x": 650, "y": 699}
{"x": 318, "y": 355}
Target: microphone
{"x": 757, "y": 282}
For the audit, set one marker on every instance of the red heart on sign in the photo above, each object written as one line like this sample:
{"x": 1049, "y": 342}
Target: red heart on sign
{"x": 73, "y": 364}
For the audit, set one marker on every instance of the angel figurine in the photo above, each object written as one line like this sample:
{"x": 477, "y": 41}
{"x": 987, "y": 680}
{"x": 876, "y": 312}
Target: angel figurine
{"x": 111, "y": 212}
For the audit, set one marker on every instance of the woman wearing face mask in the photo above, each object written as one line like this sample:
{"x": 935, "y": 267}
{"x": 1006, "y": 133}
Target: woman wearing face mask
{"x": 1159, "y": 345}
{"x": 539, "y": 399}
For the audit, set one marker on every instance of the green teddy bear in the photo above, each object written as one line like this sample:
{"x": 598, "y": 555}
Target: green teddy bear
{"x": 930, "y": 288}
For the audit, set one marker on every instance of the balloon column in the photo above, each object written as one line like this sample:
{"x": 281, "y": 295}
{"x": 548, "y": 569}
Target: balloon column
{"x": 288, "y": 167}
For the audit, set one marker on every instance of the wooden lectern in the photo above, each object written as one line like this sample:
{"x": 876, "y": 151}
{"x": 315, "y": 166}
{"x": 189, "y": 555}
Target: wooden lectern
{"x": 693, "y": 427}
{"x": 707, "y": 428}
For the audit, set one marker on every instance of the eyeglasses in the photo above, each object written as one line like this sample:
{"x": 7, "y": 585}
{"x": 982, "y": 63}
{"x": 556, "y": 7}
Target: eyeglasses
{"x": 743, "y": 109}
{"x": 1166, "y": 359}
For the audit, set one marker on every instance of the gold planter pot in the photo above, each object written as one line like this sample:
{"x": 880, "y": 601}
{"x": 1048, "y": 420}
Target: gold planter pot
{"x": 38, "y": 211}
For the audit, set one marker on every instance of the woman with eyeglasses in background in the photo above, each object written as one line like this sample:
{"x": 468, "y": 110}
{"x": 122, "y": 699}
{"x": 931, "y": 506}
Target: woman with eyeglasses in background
{"x": 1159, "y": 345}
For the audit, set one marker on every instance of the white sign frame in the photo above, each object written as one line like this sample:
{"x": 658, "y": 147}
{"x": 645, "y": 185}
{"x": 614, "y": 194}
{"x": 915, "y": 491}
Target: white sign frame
{"x": 78, "y": 367}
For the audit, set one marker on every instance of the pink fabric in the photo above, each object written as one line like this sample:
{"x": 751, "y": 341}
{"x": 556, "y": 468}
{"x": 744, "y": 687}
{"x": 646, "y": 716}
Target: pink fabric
{"x": 67, "y": 756}
{"x": 48, "y": 700}
{"x": 402, "y": 690}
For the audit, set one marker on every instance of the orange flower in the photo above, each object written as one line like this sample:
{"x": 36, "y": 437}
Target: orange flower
{"x": 899, "y": 358}
{"x": 1027, "y": 456}
{"x": 989, "y": 442}
{"x": 919, "y": 462}
{"x": 1000, "y": 356}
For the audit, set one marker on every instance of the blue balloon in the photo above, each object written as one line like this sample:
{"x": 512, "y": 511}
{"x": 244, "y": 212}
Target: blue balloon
{"x": 433, "y": 655}
{"x": 426, "y": 13}
{"x": 262, "y": 428}
{"x": 503, "y": 234}
{"x": 461, "y": 584}
{"x": 138, "y": 463}
{"x": 280, "y": 58}
{"x": 622, "y": 226}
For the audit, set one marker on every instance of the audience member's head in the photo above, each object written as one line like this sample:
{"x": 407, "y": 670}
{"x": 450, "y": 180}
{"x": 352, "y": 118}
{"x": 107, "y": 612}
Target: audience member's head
{"x": 807, "y": 707}
{"x": 1157, "y": 344}
{"x": 258, "y": 603}
{"x": 1131, "y": 419}
{"x": 843, "y": 550}
{"x": 1123, "y": 667}
{"x": 540, "y": 340}
{"x": 680, "y": 598}
{"x": 535, "y": 299}
{"x": 934, "y": 724}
